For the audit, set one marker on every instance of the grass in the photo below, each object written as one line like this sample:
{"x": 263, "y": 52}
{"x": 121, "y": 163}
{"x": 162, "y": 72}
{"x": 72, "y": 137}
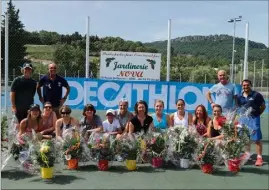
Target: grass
{"x": 41, "y": 51}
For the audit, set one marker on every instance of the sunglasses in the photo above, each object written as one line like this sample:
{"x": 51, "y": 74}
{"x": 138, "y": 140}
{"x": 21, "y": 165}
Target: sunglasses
{"x": 52, "y": 67}
{"x": 49, "y": 107}
{"x": 65, "y": 113}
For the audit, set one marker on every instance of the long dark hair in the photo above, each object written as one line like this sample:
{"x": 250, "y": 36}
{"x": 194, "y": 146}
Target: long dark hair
{"x": 205, "y": 115}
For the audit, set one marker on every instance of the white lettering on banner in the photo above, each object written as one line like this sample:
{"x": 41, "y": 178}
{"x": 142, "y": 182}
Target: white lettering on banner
{"x": 108, "y": 94}
{"x": 172, "y": 97}
{"x": 140, "y": 90}
{"x": 101, "y": 94}
{"x": 126, "y": 92}
{"x": 80, "y": 93}
{"x": 88, "y": 93}
{"x": 200, "y": 99}
{"x": 153, "y": 96}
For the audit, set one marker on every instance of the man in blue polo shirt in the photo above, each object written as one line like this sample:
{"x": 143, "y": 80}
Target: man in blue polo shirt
{"x": 52, "y": 89}
{"x": 250, "y": 99}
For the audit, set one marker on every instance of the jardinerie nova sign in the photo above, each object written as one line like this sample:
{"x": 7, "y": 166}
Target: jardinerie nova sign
{"x": 117, "y": 65}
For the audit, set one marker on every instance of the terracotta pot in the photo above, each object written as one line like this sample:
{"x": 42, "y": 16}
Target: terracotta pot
{"x": 234, "y": 165}
{"x": 131, "y": 165}
{"x": 103, "y": 165}
{"x": 46, "y": 173}
{"x": 157, "y": 162}
{"x": 72, "y": 164}
{"x": 207, "y": 168}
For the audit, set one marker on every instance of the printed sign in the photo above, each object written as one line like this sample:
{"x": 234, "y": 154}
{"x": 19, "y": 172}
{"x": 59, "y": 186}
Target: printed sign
{"x": 105, "y": 94}
{"x": 117, "y": 65}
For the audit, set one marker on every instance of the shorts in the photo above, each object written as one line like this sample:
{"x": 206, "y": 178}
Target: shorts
{"x": 21, "y": 114}
{"x": 254, "y": 126}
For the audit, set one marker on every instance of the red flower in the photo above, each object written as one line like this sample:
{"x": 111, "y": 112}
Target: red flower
{"x": 221, "y": 120}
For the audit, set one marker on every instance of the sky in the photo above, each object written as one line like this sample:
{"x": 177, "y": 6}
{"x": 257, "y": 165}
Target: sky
{"x": 146, "y": 21}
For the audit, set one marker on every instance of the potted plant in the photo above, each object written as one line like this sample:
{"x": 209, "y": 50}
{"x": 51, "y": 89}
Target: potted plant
{"x": 207, "y": 156}
{"x": 46, "y": 158}
{"x": 72, "y": 148}
{"x": 99, "y": 145}
{"x": 157, "y": 149}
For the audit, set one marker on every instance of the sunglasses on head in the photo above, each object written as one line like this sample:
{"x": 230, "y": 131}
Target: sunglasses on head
{"x": 65, "y": 113}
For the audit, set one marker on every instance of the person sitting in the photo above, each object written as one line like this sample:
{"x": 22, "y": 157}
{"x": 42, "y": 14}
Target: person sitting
{"x": 64, "y": 123}
{"x": 201, "y": 120}
{"x": 123, "y": 115}
{"x": 181, "y": 117}
{"x": 112, "y": 125}
{"x": 32, "y": 122}
{"x": 141, "y": 121}
{"x": 215, "y": 125}
{"x": 161, "y": 120}
{"x": 90, "y": 122}
{"x": 49, "y": 120}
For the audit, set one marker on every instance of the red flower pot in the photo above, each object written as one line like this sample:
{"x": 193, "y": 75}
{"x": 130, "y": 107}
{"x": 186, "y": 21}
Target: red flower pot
{"x": 157, "y": 162}
{"x": 234, "y": 165}
{"x": 72, "y": 164}
{"x": 207, "y": 168}
{"x": 103, "y": 165}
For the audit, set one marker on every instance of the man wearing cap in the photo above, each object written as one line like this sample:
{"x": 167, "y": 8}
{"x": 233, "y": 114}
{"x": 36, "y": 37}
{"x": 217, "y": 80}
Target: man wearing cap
{"x": 52, "y": 89}
{"x": 123, "y": 115}
{"x": 22, "y": 93}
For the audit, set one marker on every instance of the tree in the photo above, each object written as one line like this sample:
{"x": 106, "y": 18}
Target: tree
{"x": 17, "y": 40}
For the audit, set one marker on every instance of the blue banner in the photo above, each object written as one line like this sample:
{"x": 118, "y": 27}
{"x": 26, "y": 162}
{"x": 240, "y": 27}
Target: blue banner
{"x": 105, "y": 94}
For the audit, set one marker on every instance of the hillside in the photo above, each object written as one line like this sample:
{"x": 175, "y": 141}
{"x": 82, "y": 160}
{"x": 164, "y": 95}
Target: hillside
{"x": 213, "y": 46}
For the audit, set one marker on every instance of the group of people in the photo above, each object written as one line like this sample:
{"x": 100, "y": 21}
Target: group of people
{"x": 56, "y": 117}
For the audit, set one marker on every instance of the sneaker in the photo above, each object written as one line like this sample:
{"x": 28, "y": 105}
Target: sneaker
{"x": 119, "y": 158}
{"x": 259, "y": 162}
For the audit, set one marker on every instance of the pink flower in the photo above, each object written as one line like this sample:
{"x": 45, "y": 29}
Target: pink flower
{"x": 153, "y": 141}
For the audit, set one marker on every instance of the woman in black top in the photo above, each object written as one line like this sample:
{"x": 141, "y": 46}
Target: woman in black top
{"x": 141, "y": 120}
{"x": 214, "y": 126}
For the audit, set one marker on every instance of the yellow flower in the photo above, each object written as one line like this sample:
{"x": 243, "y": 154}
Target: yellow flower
{"x": 44, "y": 149}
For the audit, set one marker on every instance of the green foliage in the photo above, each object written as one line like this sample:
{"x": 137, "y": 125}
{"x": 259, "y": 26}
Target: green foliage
{"x": 45, "y": 156}
{"x": 206, "y": 153}
{"x": 4, "y": 126}
{"x": 17, "y": 40}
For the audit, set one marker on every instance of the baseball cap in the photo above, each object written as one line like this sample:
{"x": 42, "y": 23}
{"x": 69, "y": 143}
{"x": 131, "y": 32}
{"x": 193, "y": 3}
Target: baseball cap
{"x": 110, "y": 111}
{"x": 27, "y": 65}
{"x": 34, "y": 106}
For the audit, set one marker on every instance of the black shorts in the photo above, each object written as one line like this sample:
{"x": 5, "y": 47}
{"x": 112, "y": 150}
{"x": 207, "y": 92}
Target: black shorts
{"x": 21, "y": 114}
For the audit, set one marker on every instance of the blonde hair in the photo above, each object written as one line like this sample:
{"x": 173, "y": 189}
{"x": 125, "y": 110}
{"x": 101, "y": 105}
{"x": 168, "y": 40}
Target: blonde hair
{"x": 158, "y": 101}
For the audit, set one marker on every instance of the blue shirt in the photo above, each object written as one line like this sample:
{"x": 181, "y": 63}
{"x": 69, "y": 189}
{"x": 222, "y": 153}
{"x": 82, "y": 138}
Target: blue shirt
{"x": 160, "y": 124}
{"x": 52, "y": 89}
{"x": 254, "y": 100}
{"x": 224, "y": 94}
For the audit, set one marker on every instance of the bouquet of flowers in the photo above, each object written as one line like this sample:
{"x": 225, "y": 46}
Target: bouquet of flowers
{"x": 236, "y": 137}
{"x": 181, "y": 146}
{"x": 157, "y": 148}
{"x": 207, "y": 156}
{"x": 46, "y": 154}
{"x": 72, "y": 147}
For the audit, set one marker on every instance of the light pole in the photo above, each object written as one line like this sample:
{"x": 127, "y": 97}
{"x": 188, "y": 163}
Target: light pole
{"x": 234, "y": 20}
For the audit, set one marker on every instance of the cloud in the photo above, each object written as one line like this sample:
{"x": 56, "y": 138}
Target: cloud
{"x": 99, "y": 4}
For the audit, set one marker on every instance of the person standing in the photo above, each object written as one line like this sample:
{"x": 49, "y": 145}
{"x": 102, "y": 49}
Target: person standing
{"x": 23, "y": 90}
{"x": 52, "y": 89}
{"x": 225, "y": 92}
{"x": 250, "y": 99}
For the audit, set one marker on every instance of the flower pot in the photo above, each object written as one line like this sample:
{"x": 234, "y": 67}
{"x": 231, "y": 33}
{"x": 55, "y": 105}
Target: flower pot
{"x": 103, "y": 165}
{"x": 46, "y": 173}
{"x": 72, "y": 164}
{"x": 157, "y": 162}
{"x": 184, "y": 163}
{"x": 207, "y": 168}
{"x": 234, "y": 165}
{"x": 131, "y": 165}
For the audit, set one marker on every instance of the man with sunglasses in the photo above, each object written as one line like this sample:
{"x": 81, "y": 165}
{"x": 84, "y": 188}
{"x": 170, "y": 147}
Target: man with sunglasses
{"x": 52, "y": 89}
